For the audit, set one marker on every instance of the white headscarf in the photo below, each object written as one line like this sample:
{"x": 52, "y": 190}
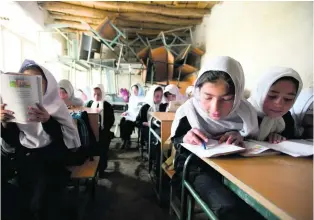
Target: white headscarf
{"x": 242, "y": 117}
{"x": 173, "y": 89}
{"x": 133, "y": 106}
{"x": 67, "y": 86}
{"x": 259, "y": 93}
{"x": 302, "y": 105}
{"x": 32, "y": 135}
{"x": 100, "y": 103}
{"x": 149, "y": 99}
{"x": 189, "y": 90}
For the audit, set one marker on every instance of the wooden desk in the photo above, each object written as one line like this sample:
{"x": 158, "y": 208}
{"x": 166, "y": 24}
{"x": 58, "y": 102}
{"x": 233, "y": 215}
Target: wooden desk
{"x": 165, "y": 119}
{"x": 93, "y": 117}
{"x": 282, "y": 184}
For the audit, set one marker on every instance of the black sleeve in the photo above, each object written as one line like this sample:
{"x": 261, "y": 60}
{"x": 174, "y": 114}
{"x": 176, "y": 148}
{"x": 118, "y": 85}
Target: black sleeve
{"x": 142, "y": 115}
{"x": 11, "y": 134}
{"x": 53, "y": 128}
{"x": 183, "y": 128}
{"x": 289, "y": 128}
{"x": 108, "y": 116}
{"x": 163, "y": 107}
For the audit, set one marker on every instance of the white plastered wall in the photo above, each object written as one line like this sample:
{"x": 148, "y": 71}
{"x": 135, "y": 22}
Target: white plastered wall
{"x": 261, "y": 35}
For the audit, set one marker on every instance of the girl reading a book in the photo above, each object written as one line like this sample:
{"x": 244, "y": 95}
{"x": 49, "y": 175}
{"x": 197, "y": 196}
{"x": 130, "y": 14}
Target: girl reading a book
{"x": 216, "y": 111}
{"x": 273, "y": 97}
{"x": 66, "y": 93}
{"x": 127, "y": 123}
{"x": 302, "y": 113}
{"x": 106, "y": 122}
{"x": 41, "y": 148}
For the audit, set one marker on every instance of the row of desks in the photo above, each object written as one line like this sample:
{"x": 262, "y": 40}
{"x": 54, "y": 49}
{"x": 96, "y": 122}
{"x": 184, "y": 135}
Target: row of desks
{"x": 281, "y": 184}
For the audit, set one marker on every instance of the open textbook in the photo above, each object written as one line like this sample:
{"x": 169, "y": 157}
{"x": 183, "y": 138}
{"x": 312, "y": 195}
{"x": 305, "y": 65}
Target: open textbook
{"x": 295, "y": 148}
{"x": 19, "y": 91}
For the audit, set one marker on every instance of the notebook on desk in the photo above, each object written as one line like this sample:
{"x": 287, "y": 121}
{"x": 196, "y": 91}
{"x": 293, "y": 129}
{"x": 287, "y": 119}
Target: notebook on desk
{"x": 294, "y": 148}
{"x": 174, "y": 105}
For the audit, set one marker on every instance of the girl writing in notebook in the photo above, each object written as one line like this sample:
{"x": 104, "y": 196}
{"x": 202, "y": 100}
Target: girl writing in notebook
{"x": 216, "y": 111}
{"x": 273, "y": 96}
{"x": 302, "y": 113}
{"x": 41, "y": 148}
{"x": 66, "y": 93}
{"x": 106, "y": 119}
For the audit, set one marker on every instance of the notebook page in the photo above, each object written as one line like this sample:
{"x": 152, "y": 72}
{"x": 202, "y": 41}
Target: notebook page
{"x": 222, "y": 149}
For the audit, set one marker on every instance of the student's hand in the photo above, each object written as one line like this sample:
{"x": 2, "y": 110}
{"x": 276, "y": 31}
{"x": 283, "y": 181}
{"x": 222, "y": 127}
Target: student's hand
{"x": 275, "y": 138}
{"x": 232, "y": 137}
{"x": 6, "y": 115}
{"x": 38, "y": 114}
{"x": 195, "y": 137}
{"x": 124, "y": 114}
{"x": 145, "y": 124}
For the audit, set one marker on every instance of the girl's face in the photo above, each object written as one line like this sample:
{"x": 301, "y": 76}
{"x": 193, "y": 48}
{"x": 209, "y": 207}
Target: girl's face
{"x": 279, "y": 99}
{"x": 215, "y": 100}
{"x": 34, "y": 72}
{"x": 97, "y": 94}
{"x": 135, "y": 90}
{"x": 157, "y": 97}
{"x": 63, "y": 94}
{"x": 170, "y": 97}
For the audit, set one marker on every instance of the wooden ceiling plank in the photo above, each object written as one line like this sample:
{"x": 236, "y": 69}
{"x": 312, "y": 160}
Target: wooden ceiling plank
{"x": 138, "y": 7}
{"x": 159, "y": 19}
{"x": 77, "y": 10}
{"x": 101, "y": 14}
{"x": 118, "y": 22}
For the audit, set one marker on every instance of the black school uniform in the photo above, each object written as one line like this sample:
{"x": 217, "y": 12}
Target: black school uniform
{"x": 207, "y": 182}
{"x": 41, "y": 172}
{"x": 105, "y": 135}
{"x": 142, "y": 117}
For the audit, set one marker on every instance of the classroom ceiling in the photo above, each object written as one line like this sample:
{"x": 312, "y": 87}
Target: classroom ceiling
{"x": 147, "y": 18}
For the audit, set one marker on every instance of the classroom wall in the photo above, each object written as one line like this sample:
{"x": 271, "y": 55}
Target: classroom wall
{"x": 260, "y": 35}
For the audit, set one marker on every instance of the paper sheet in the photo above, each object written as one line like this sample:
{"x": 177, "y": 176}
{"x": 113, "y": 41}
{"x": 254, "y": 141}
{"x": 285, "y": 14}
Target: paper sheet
{"x": 214, "y": 151}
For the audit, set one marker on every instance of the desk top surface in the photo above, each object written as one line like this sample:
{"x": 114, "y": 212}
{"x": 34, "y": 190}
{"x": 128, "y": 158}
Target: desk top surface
{"x": 117, "y": 103}
{"x": 88, "y": 110}
{"x": 282, "y": 184}
{"x": 163, "y": 116}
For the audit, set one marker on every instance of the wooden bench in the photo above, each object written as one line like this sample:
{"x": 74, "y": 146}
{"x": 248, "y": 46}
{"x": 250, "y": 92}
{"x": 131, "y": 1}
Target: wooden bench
{"x": 87, "y": 171}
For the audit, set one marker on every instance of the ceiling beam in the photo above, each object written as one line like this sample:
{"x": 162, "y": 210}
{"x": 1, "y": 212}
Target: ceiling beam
{"x": 77, "y": 10}
{"x": 154, "y": 18}
{"x": 144, "y": 8}
{"x": 118, "y": 22}
{"x": 79, "y": 26}
{"x": 101, "y": 14}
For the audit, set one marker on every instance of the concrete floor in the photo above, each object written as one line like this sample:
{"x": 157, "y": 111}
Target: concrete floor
{"x": 127, "y": 191}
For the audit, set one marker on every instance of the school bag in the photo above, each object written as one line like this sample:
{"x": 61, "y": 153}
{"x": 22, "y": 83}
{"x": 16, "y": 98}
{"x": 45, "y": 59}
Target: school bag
{"x": 87, "y": 137}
